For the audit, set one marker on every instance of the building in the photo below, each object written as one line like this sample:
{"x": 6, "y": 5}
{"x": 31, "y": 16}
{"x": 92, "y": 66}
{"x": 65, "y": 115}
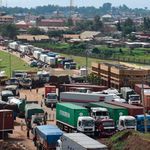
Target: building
{"x": 117, "y": 75}
{"x": 5, "y": 19}
{"x": 51, "y": 22}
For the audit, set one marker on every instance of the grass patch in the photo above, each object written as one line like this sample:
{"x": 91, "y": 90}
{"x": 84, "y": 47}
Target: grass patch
{"x": 10, "y": 62}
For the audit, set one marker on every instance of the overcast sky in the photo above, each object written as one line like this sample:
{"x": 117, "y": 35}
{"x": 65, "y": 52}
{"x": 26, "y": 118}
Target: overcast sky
{"x": 96, "y": 3}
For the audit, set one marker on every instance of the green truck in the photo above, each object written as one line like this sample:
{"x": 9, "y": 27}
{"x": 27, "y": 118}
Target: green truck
{"x": 114, "y": 111}
{"x": 20, "y": 103}
{"x": 71, "y": 117}
{"x": 31, "y": 110}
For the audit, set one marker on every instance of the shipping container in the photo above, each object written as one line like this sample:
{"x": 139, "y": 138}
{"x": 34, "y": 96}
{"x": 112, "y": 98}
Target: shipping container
{"x": 36, "y": 54}
{"x": 114, "y": 111}
{"x": 6, "y": 122}
{"x": 43, "y": 57}
{"x": 80, "y": 141}
{"x": 50, "y": 60}
{"x": 68, "y": 113}
{"x": 132, "y": 109}
{"x": 147, "y": 99}
{"x": 138, "y": 88}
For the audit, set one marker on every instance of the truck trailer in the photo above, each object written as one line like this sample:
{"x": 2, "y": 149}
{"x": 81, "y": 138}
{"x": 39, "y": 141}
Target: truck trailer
{"x": 6, "y": 122}
{"x": 84, "y": 98}
{"x": 71, "y": 117}
{"x": 46, "y": 137}
{"x": 79, "y": 141}
{"x": 132, "y": 109}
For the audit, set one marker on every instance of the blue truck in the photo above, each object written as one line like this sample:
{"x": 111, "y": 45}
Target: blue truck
{"x": 140, "y": 123}
{"x": 46, "y": 137}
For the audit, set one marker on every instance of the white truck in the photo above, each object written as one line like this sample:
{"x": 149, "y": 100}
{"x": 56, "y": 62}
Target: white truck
{"x": 130, "y": 96}
{"x": 83, "y": 98}
{"x": 36, "y": 54}
{"x": 13, "y": 45}
{"x": 79, "y": 141}
{"x": 126, "y": 122}
{"x": 50, "y": 60}
{"x": 43, "y": 58}
{"x": 23, "y": 49}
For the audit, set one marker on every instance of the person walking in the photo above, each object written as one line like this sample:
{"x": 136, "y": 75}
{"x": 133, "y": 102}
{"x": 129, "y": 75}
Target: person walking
{"x": 37, "y": 90}
{"x": 28, "y": 133}
{"x": 52, "y": 106}
{"x": 41, "y": 103}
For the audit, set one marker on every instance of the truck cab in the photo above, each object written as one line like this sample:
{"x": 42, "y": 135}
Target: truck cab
{"x": 134, "y": 99}
{"x": 126, "y": 122}
{"x": 140, "y": 123}
{"x": 86, "y": 125}
{"x": 99, "y": 113}
{"x": 51, "y": 98}
{"x": 105, "y": 127}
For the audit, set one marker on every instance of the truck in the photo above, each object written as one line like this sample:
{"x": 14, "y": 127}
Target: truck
{"x": 132, "y": 109}
{"x": 71, "y": 117}
{"x": 20, "y": 103}
{"x": 25, "y": 82}
{"x": 147, "y": 99}
{"x": 5, "y": 94}
{"x": 23, "y": 49}
{"x": 130, "y": 96}
{"x": 13, "y": 88}
{"x": 50, "y": 95}
{"x": 140, "y": 123}
{"x": 79, "y": 141}
{"x": 46, "y": 137}
{"x": 84, "y": 98}
{"x": 32, "y": 109}
{"x": 36, "y": 55}
{"x": 7, "y": 122}
{"x": 51, "y": 61}
{"x": 126, "y": 122}
{"x": 114, "y": 111}
{"x": 104, "y": 126}
{"x": 13, "y": 46}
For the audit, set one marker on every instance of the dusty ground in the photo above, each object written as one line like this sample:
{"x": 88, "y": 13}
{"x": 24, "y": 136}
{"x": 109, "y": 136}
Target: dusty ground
{"x": 20, "y": 136}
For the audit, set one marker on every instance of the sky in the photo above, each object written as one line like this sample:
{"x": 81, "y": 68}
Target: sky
{"x": 95, "y": 3}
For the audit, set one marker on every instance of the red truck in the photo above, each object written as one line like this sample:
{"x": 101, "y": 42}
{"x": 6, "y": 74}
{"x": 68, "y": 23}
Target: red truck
{"x": 147, "y": 99}
{"x": 132, "y": 109}
{"x": 50, "y": 95}
{"x": 138, "y": 88}
{"x": 6, "y": 122}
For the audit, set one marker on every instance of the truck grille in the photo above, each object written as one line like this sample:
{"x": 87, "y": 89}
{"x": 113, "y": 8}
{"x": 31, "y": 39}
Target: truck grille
{"x": 88, "y": 130}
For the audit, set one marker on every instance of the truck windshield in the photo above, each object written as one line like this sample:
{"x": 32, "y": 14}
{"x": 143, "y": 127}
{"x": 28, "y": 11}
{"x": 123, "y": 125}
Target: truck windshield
{"x": 142, "y": 122}
{"x": 88, "y": 123}
{"x": 108, "y": 124}
{"x": 130, "y": 123}
{"x": 101, "y": 113}
{"x": 134, "y": 98}
{"x": 51, "y": 96}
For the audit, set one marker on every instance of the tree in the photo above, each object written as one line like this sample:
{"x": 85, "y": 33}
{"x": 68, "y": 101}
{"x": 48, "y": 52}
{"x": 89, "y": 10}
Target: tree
{"x": 9, "y": 30}
{"x": 128, "y": 27}
{"x": 97, "y": 25}
{"x": 146, "y": 24}
{"x": 35, "y": 31}
{"x": 106, "y": 7}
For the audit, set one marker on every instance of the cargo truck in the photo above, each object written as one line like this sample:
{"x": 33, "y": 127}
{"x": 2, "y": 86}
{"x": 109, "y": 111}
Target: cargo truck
{"x": 140, "y": 123}
{"x": 6, "y": 122}
{"x": 79, "y": 141}
{"x": 50, "y": 95}
{"x": 20, "y": 103}
{"x": 13, "y": 88}
{"x": 126, "y": 122}
{"x": 84, "y": 98}
{"x": 114, "y": 111}
{"x": 71, "y": 117}
{"x": 5, "y": 94}
{"x": 46, "y": 137}
{"x": 130, "y": 96}
{"x": 32, "y": 109}
{"x": 132, "y": 109}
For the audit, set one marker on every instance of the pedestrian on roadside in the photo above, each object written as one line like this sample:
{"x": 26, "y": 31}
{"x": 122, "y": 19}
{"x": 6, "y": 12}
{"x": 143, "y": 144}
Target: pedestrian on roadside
{"x": 42, "y": 96}
{"x": 28, "y": 133}
{"x": 41, "y": 103}
{"x": 52, "y": 106}
{"x": 25, "y": 97}
{"x": 21, "y": 124}
{"x": 46, "y": 115}
{"x": 37, "y": 90}
{"x": 30, "y": 88}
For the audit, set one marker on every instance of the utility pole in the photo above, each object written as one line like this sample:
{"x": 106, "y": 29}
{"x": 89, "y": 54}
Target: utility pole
{"x": 9, "y": 64}
{"x": 144, "y": 110}
{"x": 86, "y": 65}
